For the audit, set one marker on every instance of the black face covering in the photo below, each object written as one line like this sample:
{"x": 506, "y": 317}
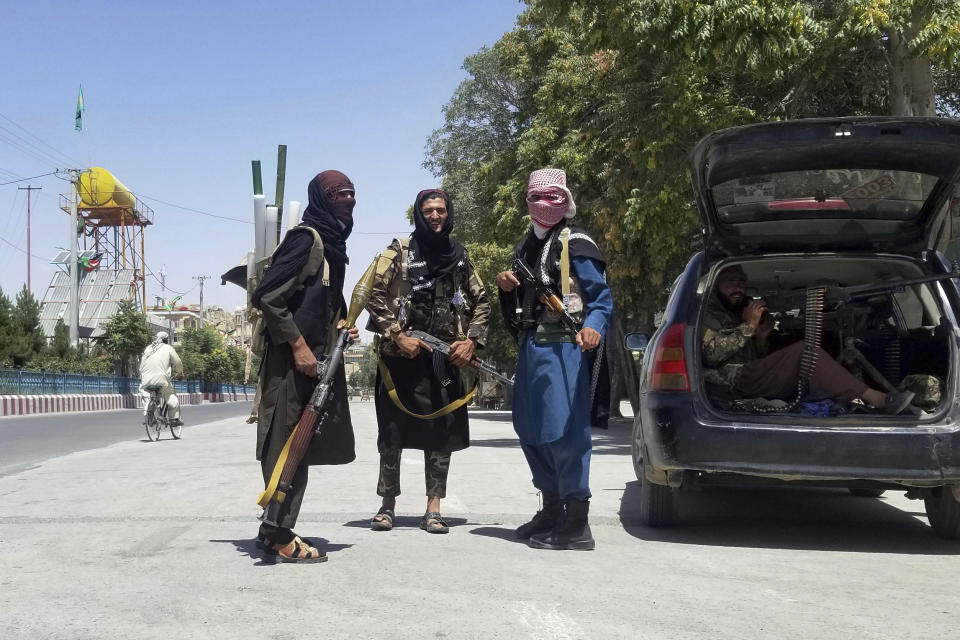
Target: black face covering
{"x": 441, "y": 253}
{"x": 331, "y": 215}
{"x": 333, "y": 220}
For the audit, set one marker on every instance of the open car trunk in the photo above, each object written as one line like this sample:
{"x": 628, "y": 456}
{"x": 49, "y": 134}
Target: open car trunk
{"x": 900, "y": 337}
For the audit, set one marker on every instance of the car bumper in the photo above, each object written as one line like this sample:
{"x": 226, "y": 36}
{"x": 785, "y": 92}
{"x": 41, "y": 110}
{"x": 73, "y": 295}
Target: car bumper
{"x": 680, "y": 434}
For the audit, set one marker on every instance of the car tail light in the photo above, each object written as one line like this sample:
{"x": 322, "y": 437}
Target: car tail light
{"x": 669, "y": 365}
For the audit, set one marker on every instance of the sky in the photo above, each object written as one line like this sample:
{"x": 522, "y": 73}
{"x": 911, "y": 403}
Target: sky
{"x": 181, "y": 96}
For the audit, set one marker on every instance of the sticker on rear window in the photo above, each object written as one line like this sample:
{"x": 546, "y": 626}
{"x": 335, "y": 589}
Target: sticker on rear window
{"x": 754, "y": 189}
{"x": 860, "y": 196}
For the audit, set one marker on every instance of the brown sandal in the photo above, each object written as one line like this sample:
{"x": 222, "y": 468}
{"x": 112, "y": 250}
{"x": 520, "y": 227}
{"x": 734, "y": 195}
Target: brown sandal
{"x": 383, "y": 520}
{"x": 298, "y": 551}
{"x": 432, "y": 522}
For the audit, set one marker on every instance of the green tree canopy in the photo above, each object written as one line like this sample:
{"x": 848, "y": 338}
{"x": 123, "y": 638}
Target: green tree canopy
{"x": 617, "y": 92}
{"x": 25, "y": 340}
{"x": 206, "y": 357}
{"x": 126, "y": 336}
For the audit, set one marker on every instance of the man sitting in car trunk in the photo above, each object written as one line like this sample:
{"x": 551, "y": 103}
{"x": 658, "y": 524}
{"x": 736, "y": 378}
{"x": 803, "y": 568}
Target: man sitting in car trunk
{"x": 736, "y": 341}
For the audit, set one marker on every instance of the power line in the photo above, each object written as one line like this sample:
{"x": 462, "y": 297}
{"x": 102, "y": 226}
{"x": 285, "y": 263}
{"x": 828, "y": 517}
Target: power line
{"x": 28, "y": 147}
{"x": 30, "y": 178}
{"x": 214, "y": 215}
{"x": 203, "y": 213}
{"x": 49, "y": 146}
{"x": 43, "y": 159}
{"x": 4, "y": 240}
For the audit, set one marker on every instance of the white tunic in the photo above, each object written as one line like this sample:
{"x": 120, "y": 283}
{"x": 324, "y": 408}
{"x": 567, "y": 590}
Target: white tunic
{"x": 159, "y": 364}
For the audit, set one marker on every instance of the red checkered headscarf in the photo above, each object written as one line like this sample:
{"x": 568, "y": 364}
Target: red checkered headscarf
{"x": 548, "y": 199}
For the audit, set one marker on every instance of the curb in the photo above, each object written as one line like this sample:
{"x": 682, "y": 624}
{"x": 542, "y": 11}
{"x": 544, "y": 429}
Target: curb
{"x": 23, "y": 405}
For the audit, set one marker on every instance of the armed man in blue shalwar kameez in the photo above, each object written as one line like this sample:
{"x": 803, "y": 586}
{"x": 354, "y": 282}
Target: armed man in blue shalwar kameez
{"x": 551, "y": 412}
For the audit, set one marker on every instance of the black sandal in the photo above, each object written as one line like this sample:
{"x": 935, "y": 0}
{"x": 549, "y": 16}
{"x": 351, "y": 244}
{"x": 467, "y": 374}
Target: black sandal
{"x": 385, "y": 523}
{"x": 432, "y": 522}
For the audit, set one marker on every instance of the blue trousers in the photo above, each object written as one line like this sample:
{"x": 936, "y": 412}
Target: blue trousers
{"x": 562, "y": 466}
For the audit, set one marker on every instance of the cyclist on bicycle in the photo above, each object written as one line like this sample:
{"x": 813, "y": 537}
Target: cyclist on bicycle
{"x": 157, "y": 366}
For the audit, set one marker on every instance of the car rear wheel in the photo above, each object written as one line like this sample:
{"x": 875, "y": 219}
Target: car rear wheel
{"x": 867, "y": 493}
{"x": 943, "y": 511}
{"x": 636, "y": 449}
{"x": 659, "y": 505}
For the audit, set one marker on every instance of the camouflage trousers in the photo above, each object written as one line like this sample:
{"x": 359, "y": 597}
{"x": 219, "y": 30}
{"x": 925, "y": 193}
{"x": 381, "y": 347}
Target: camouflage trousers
{"x": 436, "y": 467}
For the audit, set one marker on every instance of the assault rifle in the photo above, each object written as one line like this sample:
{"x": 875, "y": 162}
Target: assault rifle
{"x": 315, "y": 414}
{"x": 438, "y": 345}
{"x": 836, "y": 296}
{"x": 547, "y": 295}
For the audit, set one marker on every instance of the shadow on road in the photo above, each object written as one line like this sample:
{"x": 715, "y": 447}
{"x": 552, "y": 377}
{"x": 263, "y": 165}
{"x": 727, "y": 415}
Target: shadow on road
{"x": 495, "y": 442}
{"x": 498, "y": 532}
{"x": 614, "y": 441}
{"x": 491, "y": 414}
{"x": 789, "y": 518}
{"x": 250, "y": 548}
{"x": 407, "y": 522}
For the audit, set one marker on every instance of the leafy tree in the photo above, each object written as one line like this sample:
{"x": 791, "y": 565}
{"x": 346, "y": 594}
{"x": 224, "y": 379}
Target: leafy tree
{"x": 6, "y": 328}
{"x": 206, "y": 357}
{"x": 617, "y": 92}
{"x": 366, "y": 376}
{"x": 125, "y": 336}
{"x": 25, "y": 341}
{"x": 60, "y": 346}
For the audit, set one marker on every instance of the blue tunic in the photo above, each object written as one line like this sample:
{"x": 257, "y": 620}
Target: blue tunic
{"x": 552, "y": 393}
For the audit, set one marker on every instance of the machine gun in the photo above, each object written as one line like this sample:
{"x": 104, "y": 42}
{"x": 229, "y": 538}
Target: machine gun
{"x": 314, "y": 416}
{"x": 547, "y": 295}
{"x": 783, "y": 301}
{"x": 439, "y": 346}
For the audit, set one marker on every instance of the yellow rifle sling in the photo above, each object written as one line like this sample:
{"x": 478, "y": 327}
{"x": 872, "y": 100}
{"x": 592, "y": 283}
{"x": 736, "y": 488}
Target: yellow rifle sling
{"x": 267, "y": 494}
{"x": 392, "y": 392}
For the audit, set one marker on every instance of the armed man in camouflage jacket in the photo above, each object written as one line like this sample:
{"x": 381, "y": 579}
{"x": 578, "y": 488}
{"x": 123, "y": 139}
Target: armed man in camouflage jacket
{"x": 735, "y": 344}
{"x": 427, "y": 284}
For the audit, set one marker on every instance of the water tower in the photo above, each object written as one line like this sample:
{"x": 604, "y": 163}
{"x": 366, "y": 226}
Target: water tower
{"x": 112, "y": 224}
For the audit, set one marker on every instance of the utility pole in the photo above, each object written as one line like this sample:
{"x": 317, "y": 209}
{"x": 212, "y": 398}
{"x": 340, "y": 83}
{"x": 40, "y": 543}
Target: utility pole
{"x": 163, "y": 288}
{"x": 28, "y": 189}
{"x": 201, "y": 279}
{"x": 74, "y": 308}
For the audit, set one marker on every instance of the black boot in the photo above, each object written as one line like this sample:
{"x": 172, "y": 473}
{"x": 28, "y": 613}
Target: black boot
{"x": 572, "y": 532}
{"x": 545, "y": 519}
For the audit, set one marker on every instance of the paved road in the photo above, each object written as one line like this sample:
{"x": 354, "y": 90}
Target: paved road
{"x": 154, "y": 540}
{"x": 29, "y": 440}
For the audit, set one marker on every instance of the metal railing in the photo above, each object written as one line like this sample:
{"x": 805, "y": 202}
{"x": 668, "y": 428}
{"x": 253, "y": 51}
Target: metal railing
{"x": 24, "y": 382}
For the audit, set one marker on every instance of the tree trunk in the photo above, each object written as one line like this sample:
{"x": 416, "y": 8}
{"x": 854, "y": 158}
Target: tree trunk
{"x": 911, "y": 78}
{"x": 627, "y": 367}
{"x": 616, "y": 376}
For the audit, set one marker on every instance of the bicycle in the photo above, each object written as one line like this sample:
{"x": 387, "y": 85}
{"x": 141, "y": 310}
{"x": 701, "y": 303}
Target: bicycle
{"x": 155, "y": 419}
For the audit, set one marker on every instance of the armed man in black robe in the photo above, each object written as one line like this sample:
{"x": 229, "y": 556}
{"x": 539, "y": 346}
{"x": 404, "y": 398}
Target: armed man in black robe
{"x": 302, "y": 304}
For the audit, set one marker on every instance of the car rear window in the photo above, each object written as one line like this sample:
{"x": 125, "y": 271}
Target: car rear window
{"x": 831, "y": 193}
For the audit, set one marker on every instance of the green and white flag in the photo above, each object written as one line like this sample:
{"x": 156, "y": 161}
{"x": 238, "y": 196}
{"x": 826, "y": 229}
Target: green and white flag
{"x": 80, "y": 109}
{"x": 170, "y": 304}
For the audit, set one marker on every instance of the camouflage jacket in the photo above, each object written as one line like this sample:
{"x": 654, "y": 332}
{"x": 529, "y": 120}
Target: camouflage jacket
{"x": 727, "y": 343}
{"x": 455, "y": 308}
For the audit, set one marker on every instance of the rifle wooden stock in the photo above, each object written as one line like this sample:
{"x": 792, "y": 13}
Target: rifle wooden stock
{"x": 302, "y": 436}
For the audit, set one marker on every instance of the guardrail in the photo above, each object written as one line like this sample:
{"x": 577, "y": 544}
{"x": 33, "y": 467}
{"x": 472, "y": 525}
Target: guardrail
{"x": 24, "y": 382}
